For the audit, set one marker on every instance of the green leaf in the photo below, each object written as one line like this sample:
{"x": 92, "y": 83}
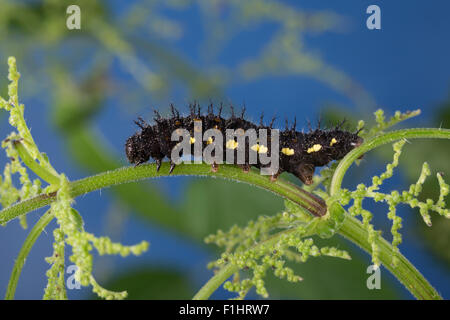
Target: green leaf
{"x": 212, "y": 204}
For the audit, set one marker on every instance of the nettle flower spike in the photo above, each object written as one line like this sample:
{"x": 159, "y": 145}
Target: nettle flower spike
{"x": 262, "y": 247}
{"x": 82, "y": 243}
{"x": 8, "y": 193}
{"x": 393, "y": 199}
{"x": 410, "y": 197}
{"x": 382, "y": 125}
{"x": 24, "y": 154}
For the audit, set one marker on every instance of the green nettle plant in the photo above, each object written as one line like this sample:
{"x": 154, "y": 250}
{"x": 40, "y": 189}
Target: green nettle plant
{"x": 249, "y": 252}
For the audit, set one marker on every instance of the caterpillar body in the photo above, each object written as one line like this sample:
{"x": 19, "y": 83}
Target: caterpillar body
{"x": 299, "y": 153}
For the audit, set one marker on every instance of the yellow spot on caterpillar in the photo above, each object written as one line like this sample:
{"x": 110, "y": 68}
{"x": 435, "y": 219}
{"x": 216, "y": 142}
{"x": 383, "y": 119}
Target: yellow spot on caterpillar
{"x": 314, "y": 148}
{"x": 287, "y": 151}
{"x": 177, "y": 123}
{"x": 262, "y": 149}
{"x": 333, "y": 141}
{"x": 231, "y": 144}
{"x": 192, "y": 140}
{"x": 259, "y": 148}
{"x": 209, "y": 141}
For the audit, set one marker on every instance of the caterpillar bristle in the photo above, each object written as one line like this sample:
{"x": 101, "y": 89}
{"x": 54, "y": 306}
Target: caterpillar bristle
{"x": 299, "y": 152}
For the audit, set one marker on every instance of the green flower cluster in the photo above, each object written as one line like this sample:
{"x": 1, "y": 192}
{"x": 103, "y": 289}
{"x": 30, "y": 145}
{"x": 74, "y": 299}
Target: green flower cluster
{"x": 72, "y": 230}
{"x": 393, "y": 199}
{"x": 21, "y": 148}
{"x": 261, "y": 246}
{"x": 381, "y": 124}
{"x": 8, "y": 193}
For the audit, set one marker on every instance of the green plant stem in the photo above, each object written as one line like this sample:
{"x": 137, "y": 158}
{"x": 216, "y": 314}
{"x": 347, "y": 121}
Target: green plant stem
{"x": 215, "y": 282}
{"x": 404, "y": 271}
{"x": 377, "y": 141}
{"x": 283, "y": 188}
{"x": 24, "y": 251}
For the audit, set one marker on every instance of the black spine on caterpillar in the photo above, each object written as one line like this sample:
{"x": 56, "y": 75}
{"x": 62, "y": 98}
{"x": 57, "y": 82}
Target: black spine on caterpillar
{"x": 300, "y": 153}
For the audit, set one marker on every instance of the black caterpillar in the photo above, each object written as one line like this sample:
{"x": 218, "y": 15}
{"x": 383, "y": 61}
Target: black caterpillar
{"x": 300, "y": 153}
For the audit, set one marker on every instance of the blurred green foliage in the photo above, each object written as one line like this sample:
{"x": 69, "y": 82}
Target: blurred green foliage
{"x": 153, "y": 283}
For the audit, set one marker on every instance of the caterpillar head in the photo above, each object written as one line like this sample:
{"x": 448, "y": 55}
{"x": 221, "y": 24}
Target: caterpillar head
{"x": 320, "y": 147}
{"x": 304, "y": 152}
{"x": 342, "y": 142}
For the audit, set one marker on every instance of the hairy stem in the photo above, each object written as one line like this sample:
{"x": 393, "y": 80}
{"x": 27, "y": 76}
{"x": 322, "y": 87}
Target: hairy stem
{"x": 24, "y": 251}
{"x": 404, "y": 271}
{"x": 283, "y": 188}
{"x": 215, "y": 282}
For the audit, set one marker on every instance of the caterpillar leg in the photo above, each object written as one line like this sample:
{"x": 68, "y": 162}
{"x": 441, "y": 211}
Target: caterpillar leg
{"x": 158, "y": 164}
{"x": 172, "y": 166}
{"x": 274, "y": 177}
{"x": 245, "y": 168}
{"x": 305, "y": 172}
{"x": 214, "y": 167}
{"x": 138, "y": 163}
